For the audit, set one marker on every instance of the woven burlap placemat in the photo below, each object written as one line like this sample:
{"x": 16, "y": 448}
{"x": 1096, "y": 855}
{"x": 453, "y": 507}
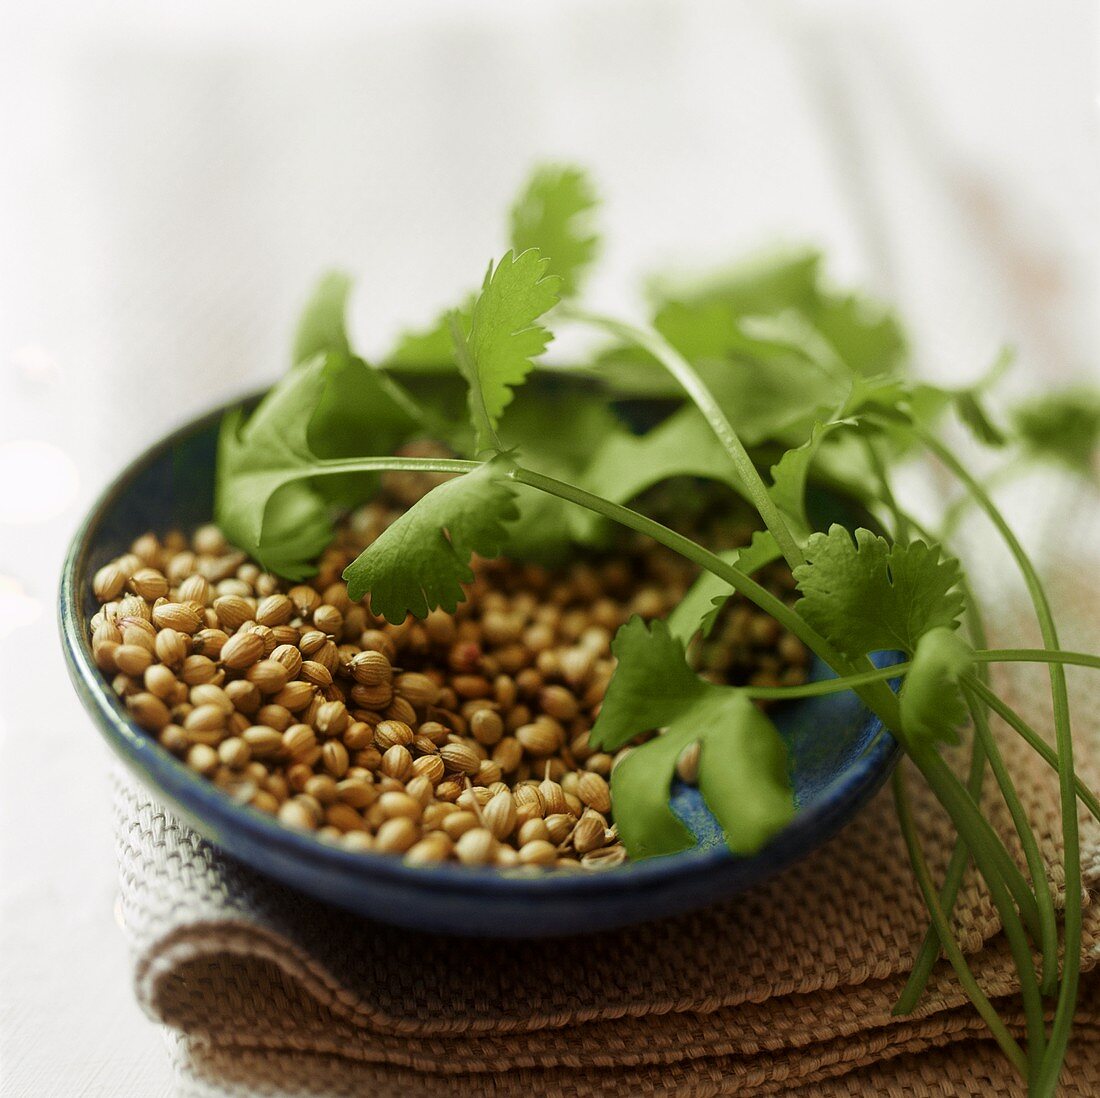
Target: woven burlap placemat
{"x": 787, "y": 988}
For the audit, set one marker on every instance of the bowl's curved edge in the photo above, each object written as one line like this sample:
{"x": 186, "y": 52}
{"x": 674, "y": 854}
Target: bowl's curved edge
{"x": 565, "y": 902}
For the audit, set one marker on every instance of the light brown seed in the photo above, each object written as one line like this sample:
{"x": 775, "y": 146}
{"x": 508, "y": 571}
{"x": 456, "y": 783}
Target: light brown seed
{"x": 332, "y": 718}
{"x": 109, "y": 582}
{"x": 344, "y": 817}
{"x": 244, "y": 696}
{"x": 593, "y": 791}
{"x": 390, "y": 733}
{"x": 263, "y": 741}
{"x": 459, "y": 757}
{"x": 458, "y": 823}
{"x": 537, "y": 852}
{"x": 396, "y": 836}
{"x": 397, "y": 762}
{"x": 418, "y": 690}
{"x": 606, "y": 858}
{"x": 209, "y": 642}
{"x": 533, "y": 829}
{"x": 133, "y": 659}
{"x": 298, "y": 739}
{"x": 334, "y": 758}
{"x": 195, "y": 589}
{"x": 559, "y": 825}
{"x": 148, "y": 584}
{"x": 540, "y": 738}
{"x": 295, "y": 696}
{"x": 356, "y": 792}
{"x": 181, "y": 616}
{"x": 234, "y": 610}
{"x": 242, "y": 650}
{"x": 209, "y": 694}
{"x": 202, "y": 758}
{"x": 159, "y": 680}
{"x": 370, "y": 668}
{"x": 289, "y": 656}
{"x": 294, "y": 814}
{"x": 396, "y": 804}
{"x": 558, "y": 702}
{"x": 590, "y": 833}
{"x": 205, "y": 718}
{"x": 274, "y": 610}
{"x": 133, "y": 634}
{"x": 323, "y": 788}
{"x": 500, "y": 814}
{"x": 268, "y": 676}
{"x": 316, "y": 673}
{"x": 486, "y": 727}
{"x": 476, "y": 847}
{"x": 148, "y": 711}
{"x": 553, "y": 797}
{"x": 234, "y": 753}
{"x": 430, "y": 767}
{"x": 327, "y": 619}
{"x": 172, "y": 737}
{"x": 430, "y": 850}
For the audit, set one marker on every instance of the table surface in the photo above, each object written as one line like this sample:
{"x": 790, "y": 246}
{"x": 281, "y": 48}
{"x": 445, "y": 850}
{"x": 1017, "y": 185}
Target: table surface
{"x": 177, "y": 185}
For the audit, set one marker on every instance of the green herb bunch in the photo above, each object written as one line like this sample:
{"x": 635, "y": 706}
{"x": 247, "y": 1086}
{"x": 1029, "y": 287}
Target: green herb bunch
{"x": 771, "y": 381}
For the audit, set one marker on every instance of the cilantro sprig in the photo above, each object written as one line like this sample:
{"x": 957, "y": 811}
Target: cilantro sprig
{"x": 771, "y": 381}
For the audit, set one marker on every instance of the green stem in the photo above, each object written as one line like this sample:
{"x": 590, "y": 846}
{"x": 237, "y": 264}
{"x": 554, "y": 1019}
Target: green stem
{"x": 986, "y": 846}
{"x": 826, "y": 686}
{"x": 331, "y": 466}
{"x": 1032, "y": 739}
{"x": 1037, "y": 655}
{"x": 1051, "y": 1068}
{"x": 902, "y": 522}
{"x": 701, "y": 396}
{"x": 942, "y": 927}
{"x": 929, "y": 951}
{"x": 1048, "y": 926}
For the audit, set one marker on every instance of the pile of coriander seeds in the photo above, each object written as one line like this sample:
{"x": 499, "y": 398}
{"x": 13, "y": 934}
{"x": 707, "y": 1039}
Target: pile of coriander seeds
{"x": 457, "y": 738}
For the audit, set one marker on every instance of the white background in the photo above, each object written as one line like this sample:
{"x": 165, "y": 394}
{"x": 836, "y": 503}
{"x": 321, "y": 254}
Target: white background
{"x": 173, "y": 176}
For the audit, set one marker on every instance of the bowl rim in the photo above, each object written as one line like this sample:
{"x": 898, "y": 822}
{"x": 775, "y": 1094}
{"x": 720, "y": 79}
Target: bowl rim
{"x": 205, "y": 802}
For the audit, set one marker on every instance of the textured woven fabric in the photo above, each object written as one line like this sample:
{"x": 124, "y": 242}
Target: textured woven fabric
{"x": 786, "y": 988}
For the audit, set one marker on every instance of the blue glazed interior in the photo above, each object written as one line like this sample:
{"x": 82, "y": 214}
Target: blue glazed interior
{"x": 839, "y": 756}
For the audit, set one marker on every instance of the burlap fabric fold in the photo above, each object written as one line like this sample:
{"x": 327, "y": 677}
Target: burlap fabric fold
{"x": 785, "y": 989}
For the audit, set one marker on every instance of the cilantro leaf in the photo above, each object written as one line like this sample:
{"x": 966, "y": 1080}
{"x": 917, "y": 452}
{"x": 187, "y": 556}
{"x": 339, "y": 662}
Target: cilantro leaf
{"x": 547, "y": 526}
{"x": 651, "y": 686}
{"x": 554, "y": 215}
{"x": 624, "y": 465}
{"x": 866, "y": 336}
{"x": 1063, "y": 427}
{"x": 866, "y": 595}
{"x": 495, "y": 355}
{"x": 322, "y": 327}
{"x": 421, "y": 561}
{"x": 743, "y": 761}
{"x": 932, "y": 705}
{"x": 698, "y": 610}
{"x": 641, "y": 785}
{"x": 768, "y": 282}
{"x": 430, "y": 349}
{"x": 260, "y": 500}
{"x": 791, "y": 473}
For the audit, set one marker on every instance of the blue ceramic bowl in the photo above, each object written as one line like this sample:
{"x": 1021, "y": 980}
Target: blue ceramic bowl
{"x": 839, "y": 755}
